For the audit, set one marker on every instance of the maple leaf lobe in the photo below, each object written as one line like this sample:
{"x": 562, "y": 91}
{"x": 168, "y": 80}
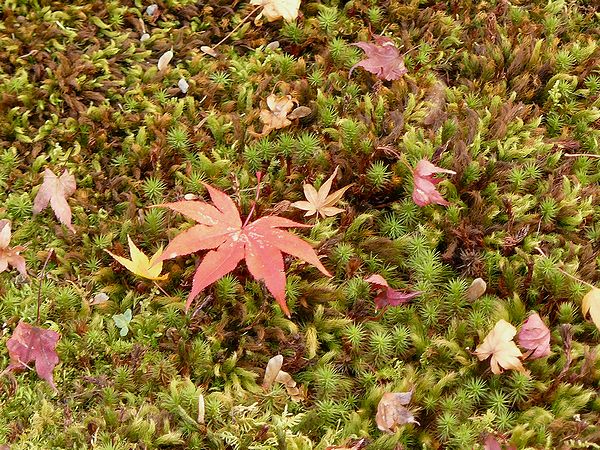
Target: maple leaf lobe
{"x": 383, "y": 59}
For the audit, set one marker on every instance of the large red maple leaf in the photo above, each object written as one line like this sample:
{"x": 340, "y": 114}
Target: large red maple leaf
{"x": 260, "y": 243}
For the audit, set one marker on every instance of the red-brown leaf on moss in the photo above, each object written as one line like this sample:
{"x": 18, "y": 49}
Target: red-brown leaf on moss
{"x": 424, "y": 191}
{"x": 383, "y": 58}
{"x": 33, "y": 344}
{"x": 535, "y": 337}
{"x": 388, "y": 296}
{"x": 261, "y": 243}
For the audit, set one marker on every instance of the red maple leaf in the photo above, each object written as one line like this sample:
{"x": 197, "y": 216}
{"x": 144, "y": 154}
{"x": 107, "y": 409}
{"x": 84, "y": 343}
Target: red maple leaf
{"x": 424, "y": 191}
{"x": 54, "y": 191}
{"x": 28, "y": 344}
{"x": 383, "y": 58}
{"x": 260, "y": 243}
{"x": 388, "y": 296}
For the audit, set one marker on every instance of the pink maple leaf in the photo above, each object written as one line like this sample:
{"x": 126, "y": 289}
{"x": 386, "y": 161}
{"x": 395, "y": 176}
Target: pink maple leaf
{"x": 388, "y": 296}
{"x": 424, "y": 191}
{"x": 383, "y": 59}
{"x": 33, "y": 344}
{"x": 535, "y": 336}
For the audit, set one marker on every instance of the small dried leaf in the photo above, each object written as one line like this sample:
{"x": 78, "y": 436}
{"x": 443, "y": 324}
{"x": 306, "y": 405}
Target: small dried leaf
{"x": 321, "y": 202}
{"x": 590, "y": 303}
{"x": 144, "y": 37}
{"x": 151, "y": 9}
{"x": 183, "y": 85}
{"x": 491, "y": 443}
{"x": 391, "y": 412}
{"x": 476, "y": 290}
{"x": 277, "y": 9}
{"x": 290, "y": 385}
{"x": 99, "y": 298}
{"x": 201, "y": 409}
{"x": 272, "y": 45}
{"x": 209, "y": 51}
{"x": 164, "y": 60}
{"x": 299, "y": 112}
{"x": 499, "y": 345}
{"x": 273, "y": 368}
{"x": 535, "y": 336}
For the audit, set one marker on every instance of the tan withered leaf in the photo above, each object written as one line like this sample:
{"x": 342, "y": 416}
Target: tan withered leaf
{"x": 274, "y": 373}
{"x": 281, "y": 112}
{"x": 591, "y": 304}
{"x": 391, "y": 412}
{"x": 499, "y": 345}
{"x": 55, "y": 190}
{"x": 277, "y": 9}
{"x": 321, "y": 202}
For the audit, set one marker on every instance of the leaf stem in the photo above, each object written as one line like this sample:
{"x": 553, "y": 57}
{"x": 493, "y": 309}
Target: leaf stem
{"x": 160, "y": 288}
{"x": 236, "y": 27}
{"x": 39, "y": 299}
{"x": 258, "y": 177}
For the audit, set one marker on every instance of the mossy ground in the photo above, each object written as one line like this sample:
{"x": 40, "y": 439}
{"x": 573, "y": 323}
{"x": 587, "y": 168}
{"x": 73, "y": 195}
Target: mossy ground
{"x": 499, "y": 92}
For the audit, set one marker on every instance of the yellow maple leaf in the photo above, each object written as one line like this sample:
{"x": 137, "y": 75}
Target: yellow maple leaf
{"x": 590, "y": 303}
{"x": 321, "y": 201}
{"x": 499, "y": 345}
{"x": 277, "y": 9}
{"x": 140, "y": 264}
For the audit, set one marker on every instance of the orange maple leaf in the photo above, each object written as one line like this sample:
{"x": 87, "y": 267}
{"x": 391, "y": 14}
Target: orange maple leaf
{"x": 261, "y": 243}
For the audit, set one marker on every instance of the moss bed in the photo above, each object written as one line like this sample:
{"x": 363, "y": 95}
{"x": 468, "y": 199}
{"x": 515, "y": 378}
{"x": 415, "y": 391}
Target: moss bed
{"x": 506, "y": 94}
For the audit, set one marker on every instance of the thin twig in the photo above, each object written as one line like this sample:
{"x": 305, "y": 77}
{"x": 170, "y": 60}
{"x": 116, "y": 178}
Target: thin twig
{"x": 573, "y": 277}
{"x": 577, "y": 155}
{"x": 160, "y": 288}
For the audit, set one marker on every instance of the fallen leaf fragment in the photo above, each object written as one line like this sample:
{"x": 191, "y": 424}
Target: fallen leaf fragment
{"x": 535, "y": 336}
{"x": 55, "y": 190}
{"x": 274, "y": 373}
{"x": 491, "y": 443}
{"x": 356, "y": 445}
{"x": 261, "y": 243}
{"x": 273, "y": 368}
{"x": 164, "y": 60}
{"x": 209, "y": 51}
{"x": 9, "y": 256}
{"x": 277, "y": 9}
{"x": 183, "y": 85}
{"x": 383, "y": 58}
{"x": 321, "y": 202}
{"x": 424, "y": 191}
{"x": 391, "y": 412}
{"x": 33, "y": 344}
{"x": 275, "y": 117}
{"x": 139, "y": 264}
{"x": 387, "y": 295}
{"x": 476, "y": 290}
{"x": 590, "y": 303}
{"x": 499, "y": 345}
{"x": 99, "y": 299}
